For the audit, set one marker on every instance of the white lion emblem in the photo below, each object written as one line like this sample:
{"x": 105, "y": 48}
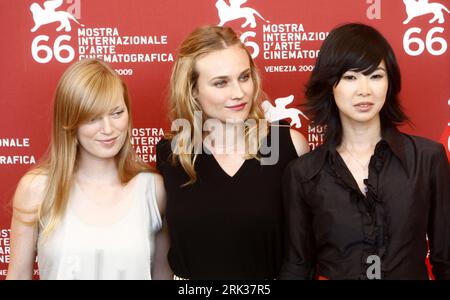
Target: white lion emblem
{"x": 280, "y": 112}
{"x": 416, "y": 8}
{"x": 48, "y": 14}
{"x": 234, "y": 11}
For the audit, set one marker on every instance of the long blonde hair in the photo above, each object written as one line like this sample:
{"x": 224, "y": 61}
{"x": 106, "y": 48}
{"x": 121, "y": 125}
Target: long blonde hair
{"x": 183, "y": 104}
{"x": 85, "y": 90}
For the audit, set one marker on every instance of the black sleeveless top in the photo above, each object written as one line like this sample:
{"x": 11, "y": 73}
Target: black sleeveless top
{"x": 224, "y": 227}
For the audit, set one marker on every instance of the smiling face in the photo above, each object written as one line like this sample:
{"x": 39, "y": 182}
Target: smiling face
{"x": 225, "y": 87}
{"x": 104, "y": 135}
{"x": 360, "y": 97}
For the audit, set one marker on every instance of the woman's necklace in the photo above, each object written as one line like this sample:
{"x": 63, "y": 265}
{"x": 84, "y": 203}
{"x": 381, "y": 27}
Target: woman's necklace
{"x": 364, "y": 166}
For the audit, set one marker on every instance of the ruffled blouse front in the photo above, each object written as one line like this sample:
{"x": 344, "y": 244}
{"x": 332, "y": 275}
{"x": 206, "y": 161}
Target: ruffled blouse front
{"x": 373, "y": 211}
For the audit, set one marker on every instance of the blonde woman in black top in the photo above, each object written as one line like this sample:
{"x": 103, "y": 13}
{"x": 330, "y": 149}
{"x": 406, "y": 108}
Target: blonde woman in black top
{"x": 224, "y": 206}
{"x": 361, "y": 205}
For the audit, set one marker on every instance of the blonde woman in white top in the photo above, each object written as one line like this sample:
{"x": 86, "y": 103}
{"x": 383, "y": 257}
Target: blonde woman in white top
{"x": 91, "y": 209}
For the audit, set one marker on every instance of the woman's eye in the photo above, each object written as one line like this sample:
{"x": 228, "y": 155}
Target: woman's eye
{"x": 349, "y": 77}
{"x": 377, "y": 76}
{"x": 245, "y": 77}
{"x": 93, "y": 120}
{"x": 220, "y": 84}
{"x": 117, "y": 114}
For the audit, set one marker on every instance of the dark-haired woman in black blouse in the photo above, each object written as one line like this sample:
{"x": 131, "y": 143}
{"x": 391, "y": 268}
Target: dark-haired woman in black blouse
{"x": 362, "y": 205}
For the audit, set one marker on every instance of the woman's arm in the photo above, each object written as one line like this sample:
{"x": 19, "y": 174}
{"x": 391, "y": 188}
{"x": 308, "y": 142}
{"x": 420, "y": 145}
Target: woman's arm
{"x": 300, "y": 143}
{"x": 299, "y": 260}
{"x": 161, "y": 268}
{"x": 439, "y": 217}
{"x": 24, "y": 226}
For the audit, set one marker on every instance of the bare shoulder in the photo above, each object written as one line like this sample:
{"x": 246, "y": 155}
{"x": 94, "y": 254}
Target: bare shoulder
{"x": 300, "y": 143}
{"x": 160, "y": 192}
{"x": 159, "y": 182}
{"x": 30, "y": 191}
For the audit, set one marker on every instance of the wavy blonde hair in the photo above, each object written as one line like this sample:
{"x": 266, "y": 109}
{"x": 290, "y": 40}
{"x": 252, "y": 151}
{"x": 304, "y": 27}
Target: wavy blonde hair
{"x": 86, "y": 90}
{"x": 183, "y": 104}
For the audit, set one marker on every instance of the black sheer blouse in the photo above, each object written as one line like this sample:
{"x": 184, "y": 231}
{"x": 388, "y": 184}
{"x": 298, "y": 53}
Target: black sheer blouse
{"x": 333, "y": 228}
{"x": 226, "y": 227}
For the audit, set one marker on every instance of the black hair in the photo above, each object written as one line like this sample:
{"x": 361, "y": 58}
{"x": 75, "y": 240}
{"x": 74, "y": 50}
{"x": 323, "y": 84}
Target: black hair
{"x": 357, "y": 47}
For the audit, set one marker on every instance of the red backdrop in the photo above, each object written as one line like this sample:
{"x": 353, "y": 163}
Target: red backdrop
{"x": 140, "y": 39}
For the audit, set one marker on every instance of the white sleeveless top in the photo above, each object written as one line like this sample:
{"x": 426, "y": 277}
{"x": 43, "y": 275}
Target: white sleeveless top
{"x": 123, "y": 250}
